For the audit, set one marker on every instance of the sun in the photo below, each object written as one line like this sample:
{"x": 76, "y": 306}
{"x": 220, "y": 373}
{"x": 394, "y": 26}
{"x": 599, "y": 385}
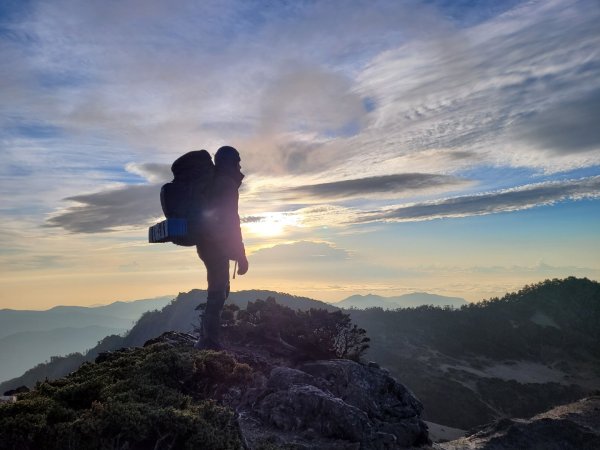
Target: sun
{"x": 270, "y": 224}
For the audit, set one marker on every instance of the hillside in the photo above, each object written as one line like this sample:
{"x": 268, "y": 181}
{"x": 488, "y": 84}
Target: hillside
{"x": 402, "y": 301}
{"x": 180, "y": 314}
{"x": 556, "y": 318}
{"x": 514, "y": 356}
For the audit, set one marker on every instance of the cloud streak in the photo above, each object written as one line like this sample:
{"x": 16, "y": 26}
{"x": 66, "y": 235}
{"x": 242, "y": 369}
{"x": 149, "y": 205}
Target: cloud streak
{"x": 385, "y": 185}
{"x": 508, "y": 200}
{"x": 301, "y": 252}
{"x": 132, "y": 206}
{"x": 136, "y": 205}
{"x": 110, "y": 210}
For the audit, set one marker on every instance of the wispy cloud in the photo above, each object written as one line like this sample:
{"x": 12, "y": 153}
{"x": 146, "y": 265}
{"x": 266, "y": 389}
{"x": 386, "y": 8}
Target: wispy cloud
{"x": 136, "y": 205}
{"x": 514, "y": 199}
{"x": 470, "y": 91}
{"x": 300, "y": 253}
{"x": 366, "y": 86}
{"x": 110, "y": 210}
{"x": 385, "y": 185}
{"x": 152, "y": 172}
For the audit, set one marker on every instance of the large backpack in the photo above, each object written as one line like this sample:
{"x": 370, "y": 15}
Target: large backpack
{"x": 185, "y": 200}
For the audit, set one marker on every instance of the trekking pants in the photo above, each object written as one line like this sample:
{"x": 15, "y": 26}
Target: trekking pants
{"x": 217, "y": 274}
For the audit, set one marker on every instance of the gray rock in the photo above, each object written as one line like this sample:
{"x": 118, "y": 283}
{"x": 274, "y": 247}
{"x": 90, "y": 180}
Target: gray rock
{"x": 368, "y": 388}
{"x": 575, "y": 426}
{"x": 333, "y": 404}
{"x": 174, "y": 339}
{"x": 282, "y": 378}
{"x": 307, "y": 408}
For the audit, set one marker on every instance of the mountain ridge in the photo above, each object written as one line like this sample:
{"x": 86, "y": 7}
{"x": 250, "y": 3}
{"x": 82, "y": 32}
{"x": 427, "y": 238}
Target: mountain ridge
{"x": 116, "y": 315}
{"x": 23, "y": 350}
{"x": 411, "y": 300}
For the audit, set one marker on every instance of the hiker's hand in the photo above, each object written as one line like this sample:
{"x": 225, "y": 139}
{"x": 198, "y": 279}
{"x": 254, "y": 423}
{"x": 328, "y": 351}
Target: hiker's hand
{"x": 242, "y": 265}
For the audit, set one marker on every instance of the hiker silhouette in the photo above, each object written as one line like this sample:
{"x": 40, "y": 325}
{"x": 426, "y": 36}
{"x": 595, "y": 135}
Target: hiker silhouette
{"x": 222, "y": 242}
{"x": 201, "y": 209}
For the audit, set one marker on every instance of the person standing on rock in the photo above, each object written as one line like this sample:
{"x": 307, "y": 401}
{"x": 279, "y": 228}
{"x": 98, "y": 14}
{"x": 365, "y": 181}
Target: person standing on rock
{"x": 222, "y": 243}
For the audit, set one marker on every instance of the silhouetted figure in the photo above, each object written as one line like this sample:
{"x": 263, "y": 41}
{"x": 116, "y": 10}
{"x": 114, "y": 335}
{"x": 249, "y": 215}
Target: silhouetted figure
{"x": 222, "y": 242}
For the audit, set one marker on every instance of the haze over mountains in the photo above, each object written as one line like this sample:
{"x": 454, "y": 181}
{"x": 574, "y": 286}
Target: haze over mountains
{"x": 402, "y": 301}
{"x": 28, "y": 338}
{"x": 116, "y": 315}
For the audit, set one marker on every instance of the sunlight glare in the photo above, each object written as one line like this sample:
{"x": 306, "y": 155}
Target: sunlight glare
{"x": 272, "y": 224}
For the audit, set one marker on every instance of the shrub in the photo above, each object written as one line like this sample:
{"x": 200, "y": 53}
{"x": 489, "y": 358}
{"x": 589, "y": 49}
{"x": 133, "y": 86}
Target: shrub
{"x": 313, "y": 334}
{"x": 153, "y": 397}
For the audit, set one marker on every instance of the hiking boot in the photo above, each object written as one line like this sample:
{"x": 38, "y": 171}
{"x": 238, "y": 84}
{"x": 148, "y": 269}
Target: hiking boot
{"x": 211, "y": 323}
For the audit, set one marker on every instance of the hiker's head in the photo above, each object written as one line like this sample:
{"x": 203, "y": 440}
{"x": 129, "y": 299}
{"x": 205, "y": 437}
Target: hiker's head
{"x": 227, "y": 156}
{"x": 191, "y": 164}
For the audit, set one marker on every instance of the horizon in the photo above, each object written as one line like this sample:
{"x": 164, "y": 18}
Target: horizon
{"x": 331, "y": 302}
{"x": 389, "y": 148}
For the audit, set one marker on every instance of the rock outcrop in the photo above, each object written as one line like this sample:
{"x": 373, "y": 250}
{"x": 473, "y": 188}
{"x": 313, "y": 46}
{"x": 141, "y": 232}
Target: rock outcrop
{"x": 333, "y": 404}
{"x": 575, "y": 426}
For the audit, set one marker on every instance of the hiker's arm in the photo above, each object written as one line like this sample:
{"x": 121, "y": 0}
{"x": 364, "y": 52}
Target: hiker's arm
{"x": 231, "y": 233}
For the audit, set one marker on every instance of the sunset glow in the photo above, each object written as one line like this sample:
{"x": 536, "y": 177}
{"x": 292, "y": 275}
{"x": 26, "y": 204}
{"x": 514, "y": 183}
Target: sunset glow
{"x": 387, "y": 146}
{"x": 271, "y": 225}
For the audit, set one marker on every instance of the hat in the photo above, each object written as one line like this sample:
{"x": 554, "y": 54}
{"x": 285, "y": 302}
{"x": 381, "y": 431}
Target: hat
{"x": 227, "y": 154}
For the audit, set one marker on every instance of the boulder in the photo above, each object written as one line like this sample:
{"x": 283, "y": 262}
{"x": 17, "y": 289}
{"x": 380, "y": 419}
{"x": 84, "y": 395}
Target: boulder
{"x": 575, "y": 426}
{"x": 332, "y": 404}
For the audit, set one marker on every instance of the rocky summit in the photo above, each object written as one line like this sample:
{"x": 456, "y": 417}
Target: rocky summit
{"x": 333, "y": 404}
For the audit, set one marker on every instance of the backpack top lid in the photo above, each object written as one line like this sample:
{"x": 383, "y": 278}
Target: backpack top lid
{"x": 191, "y": 164}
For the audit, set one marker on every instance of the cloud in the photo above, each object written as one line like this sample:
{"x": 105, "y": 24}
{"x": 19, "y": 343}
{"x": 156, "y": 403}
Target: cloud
{"x": 311, "y": 98}
{"x": 110, "y": 210}
{"x": 152, "y": 172}
{"x": 306, "y": 89}
{"x": 514, "y": 199}
{"x": 385, "y": 185}
{"x": 540, "y": 268}
{"x": 564, "y": 128}
{"x": 467, "y": 90}
{"x": 136, "y": 205}
{"x": 300, "y": 253}
{"x": 310, "y": 93}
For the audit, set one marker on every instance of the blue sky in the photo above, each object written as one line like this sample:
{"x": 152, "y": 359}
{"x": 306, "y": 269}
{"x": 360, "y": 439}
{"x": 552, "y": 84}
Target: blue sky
{"x": 440, "y": 146}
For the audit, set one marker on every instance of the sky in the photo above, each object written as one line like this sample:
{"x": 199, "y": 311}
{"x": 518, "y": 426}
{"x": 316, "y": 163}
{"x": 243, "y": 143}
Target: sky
{"x": 450, "y": 147}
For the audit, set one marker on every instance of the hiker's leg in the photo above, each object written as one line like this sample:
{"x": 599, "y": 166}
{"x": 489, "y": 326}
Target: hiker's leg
{"x": 217, "y": 273}
{"x": 211, "y": 322}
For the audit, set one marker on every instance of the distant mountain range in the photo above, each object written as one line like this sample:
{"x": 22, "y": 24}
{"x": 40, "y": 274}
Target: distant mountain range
{"x": 402, "y": 301}
{"x": 115, "y": 315}
{"x": 23, "y": 350}
{"x": 28, "y": 338}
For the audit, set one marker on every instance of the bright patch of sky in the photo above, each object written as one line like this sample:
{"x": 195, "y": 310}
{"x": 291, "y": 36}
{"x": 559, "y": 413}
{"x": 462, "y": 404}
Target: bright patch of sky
{"x": 403, "y": 135}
